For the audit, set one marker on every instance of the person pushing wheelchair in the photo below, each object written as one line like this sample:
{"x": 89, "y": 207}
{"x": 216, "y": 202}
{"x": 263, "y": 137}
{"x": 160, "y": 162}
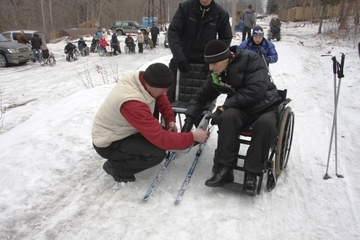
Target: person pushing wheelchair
{"x": 251, "y": 99}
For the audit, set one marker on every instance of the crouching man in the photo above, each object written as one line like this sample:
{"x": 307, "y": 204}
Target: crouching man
{"x": 125, "y": 131}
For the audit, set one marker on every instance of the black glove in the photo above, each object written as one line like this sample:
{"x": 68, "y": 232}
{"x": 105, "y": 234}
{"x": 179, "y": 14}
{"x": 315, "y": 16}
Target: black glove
{"x": 183, "y": 66}
{"x": 267, "y": 60}
{"x": 189, "y": 122}
{"x": 215, "y": 116}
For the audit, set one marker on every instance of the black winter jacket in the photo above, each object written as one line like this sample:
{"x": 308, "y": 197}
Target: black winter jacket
{"x": 188, "y": 33}
{"x": 252, "y": 90}
{"x": 36, "y": 42}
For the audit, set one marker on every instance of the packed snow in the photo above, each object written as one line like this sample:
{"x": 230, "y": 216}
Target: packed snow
{"x": 53, "y": 185}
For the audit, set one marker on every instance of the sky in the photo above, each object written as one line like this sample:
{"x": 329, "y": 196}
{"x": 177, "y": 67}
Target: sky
{"x": 53, "y": 185}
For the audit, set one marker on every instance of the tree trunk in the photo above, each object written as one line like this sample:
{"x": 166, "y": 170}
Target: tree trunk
{"x": 43, "y": 14}
{"x": 342, "y": 17}
{"x": 51, "y": 17}
{"x": 322, "y": 17}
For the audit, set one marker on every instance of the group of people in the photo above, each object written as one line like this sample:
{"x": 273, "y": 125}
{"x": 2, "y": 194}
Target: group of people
{"x": 126, "y": 133}
{"x": 36, "y": 43}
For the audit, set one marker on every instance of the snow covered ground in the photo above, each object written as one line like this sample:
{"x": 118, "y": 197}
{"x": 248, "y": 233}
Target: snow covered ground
{"x": 53, "y": 185}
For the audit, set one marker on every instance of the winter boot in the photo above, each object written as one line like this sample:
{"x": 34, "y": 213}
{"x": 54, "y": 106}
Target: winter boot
{"x": 249, "y": 187}
{"x": 223, "y": 174}
{"x": 117, "y": 177}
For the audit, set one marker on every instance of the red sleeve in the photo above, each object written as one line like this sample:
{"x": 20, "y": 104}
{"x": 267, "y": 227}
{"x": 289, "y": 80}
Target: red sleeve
{"x": 140, "y": 117}
{"x": 164, "y": 107}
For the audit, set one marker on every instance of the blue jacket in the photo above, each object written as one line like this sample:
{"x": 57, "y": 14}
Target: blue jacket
{"x": 266, "y": 48}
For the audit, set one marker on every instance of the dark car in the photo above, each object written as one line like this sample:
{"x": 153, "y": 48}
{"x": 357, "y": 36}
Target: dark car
{"x": 125, "y": 27}
{"x": 13, "y": 52}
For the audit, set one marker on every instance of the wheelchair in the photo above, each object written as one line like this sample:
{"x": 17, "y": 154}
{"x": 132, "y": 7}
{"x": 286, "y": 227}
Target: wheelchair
{"x": 274, "y": 33}
{"x": 188, "y": 84}
{"x": 129, "y": 50}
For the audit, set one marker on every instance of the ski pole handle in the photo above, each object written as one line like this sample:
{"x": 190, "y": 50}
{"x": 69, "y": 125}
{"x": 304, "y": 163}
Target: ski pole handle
{"x": 341, "y": 71}
{"x": 334, "y": 64}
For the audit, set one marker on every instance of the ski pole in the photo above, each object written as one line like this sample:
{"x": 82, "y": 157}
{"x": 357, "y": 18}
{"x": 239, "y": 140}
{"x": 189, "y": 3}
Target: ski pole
{"x": 339, "y": 70}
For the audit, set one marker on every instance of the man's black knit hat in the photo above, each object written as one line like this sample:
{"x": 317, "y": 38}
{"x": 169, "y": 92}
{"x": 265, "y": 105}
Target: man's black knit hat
{"x": 159, "y": 75}
{"x": 216, "y": 51}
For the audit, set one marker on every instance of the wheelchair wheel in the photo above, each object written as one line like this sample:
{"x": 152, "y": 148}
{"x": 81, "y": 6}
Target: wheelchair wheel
{"x": 52, "y": 61}
{"x": 102, "y": 52}
{"x": 284, "y": 141}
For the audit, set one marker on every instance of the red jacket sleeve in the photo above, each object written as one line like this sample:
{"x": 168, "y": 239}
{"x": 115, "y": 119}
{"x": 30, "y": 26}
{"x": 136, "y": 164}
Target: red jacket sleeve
{"x": 164, "y": 107}
{"x": 140, "y": 117}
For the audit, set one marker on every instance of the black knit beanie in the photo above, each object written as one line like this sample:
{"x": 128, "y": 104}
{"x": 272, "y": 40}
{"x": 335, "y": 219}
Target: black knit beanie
{"x": 159, "y": 75}
{"x": 216, "y": 51}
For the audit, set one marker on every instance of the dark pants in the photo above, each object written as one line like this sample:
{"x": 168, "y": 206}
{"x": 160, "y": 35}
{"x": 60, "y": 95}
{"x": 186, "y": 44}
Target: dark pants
{"x": 247, "y": 31}
{"x": 141, "y": 49}
{"x": 116, "y": 48}
{"x": 131, "y": 155}
{"x": 264, "y": 132}
{"x": 154, "y": 39}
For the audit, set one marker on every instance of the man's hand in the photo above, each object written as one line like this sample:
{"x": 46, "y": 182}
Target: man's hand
{"x": 183, "y": 66}
{"x": 172, "y": 127}
{"x": 215, "y": 115}
{"x": 201, "y": 135}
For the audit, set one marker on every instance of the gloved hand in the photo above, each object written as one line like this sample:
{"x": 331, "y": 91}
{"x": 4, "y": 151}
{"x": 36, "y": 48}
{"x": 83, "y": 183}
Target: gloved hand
{"x": 189, "y": 122}
{"x": 267, "y": 60}
{"x": 183, "y": 66}
{"x": 215, "y": 115}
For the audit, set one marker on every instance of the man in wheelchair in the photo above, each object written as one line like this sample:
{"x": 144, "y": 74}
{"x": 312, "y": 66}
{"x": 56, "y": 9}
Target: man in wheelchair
{"x": 252, "y": 99}
{"x": 130, "y": 43}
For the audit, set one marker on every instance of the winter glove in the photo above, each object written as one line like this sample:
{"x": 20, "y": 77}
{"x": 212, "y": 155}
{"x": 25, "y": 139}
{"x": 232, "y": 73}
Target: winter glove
{"x": 183, "y": 66}
{"x": 189, "y": 121}
{"x": 215, "y": 115}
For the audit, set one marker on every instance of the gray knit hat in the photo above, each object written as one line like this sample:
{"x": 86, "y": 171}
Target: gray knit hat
{"x": 215, "y": 51}
{"x": 159, "y": 75}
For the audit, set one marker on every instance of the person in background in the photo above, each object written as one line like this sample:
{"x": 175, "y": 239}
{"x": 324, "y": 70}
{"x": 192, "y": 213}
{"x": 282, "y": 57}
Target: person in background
{"x": 248, "y": 17}
{"x": 155, "y": 31}
{"x": 251, "y": 99}
{"x": 115, "y": 43}
{"x": 99, "y": 33}
{"x": 21, "y": 38}
{"x": 124, "y": 130}
{"x": 259, "y": 44}
{"x": 103, "y": 43}
{"x": 140, "y": 40}
{"x": 94, "y": 43}
{"x": 36, "y": 43}
{"x": 129, "y": 41}
{"x": 194, "y": 24}
{"x": 275, "y": 25}
{"x": 82, "y": 45}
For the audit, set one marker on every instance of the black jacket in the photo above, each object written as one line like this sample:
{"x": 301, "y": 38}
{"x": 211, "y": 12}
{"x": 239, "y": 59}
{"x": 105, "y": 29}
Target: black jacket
{"x": 36, "y": 42}
{"x": 114, "y": 39}
{"x": 188, "y": 33}
{"x": 252, "y": 91}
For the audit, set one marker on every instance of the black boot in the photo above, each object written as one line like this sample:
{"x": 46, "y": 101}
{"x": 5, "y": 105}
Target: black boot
{"x": 117, "y": 177}
{"x": 249, "y": 187}
{"x": 223, "y": 174}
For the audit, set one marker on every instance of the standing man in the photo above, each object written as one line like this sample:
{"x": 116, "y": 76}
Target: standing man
{"x": 194, "y": 24}
{"x": 36, "y": 43}
{"x": 154, "y": 34}
{"x": 124, "y": 130}
{"x": 21, "y": 38}
{"x": 140, "y": 40}
{"x": 115, "y": 43}
{"x": 248, "y": 17}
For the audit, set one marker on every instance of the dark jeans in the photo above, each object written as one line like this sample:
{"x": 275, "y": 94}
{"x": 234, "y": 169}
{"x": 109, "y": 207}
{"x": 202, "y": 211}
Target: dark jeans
{"x": 131, "y": 155}
{"x": 141, "y": 49}
{"x": 247, "y": 31}
{"x": 264, "y": 131}
{"x": 116, "y": 48}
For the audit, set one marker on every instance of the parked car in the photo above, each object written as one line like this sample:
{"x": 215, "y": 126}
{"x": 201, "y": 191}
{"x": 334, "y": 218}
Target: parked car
{"x": 13, "y": 52}
{"x": 125, "y": 27}
{"x": 11, "y": 35}
{"x": 261, "y": 15}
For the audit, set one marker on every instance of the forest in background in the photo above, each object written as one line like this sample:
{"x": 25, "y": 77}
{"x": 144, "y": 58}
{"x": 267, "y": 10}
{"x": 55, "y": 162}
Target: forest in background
{"x": 50, "y": 16}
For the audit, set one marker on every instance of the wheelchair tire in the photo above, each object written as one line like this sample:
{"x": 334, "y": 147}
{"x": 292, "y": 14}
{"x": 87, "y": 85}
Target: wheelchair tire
{"x": 52, "y": 61}
{"x": 284, "y": 140}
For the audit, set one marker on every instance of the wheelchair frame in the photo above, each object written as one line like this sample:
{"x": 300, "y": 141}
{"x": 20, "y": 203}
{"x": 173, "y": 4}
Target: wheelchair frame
{"x": 188, "y": 84}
